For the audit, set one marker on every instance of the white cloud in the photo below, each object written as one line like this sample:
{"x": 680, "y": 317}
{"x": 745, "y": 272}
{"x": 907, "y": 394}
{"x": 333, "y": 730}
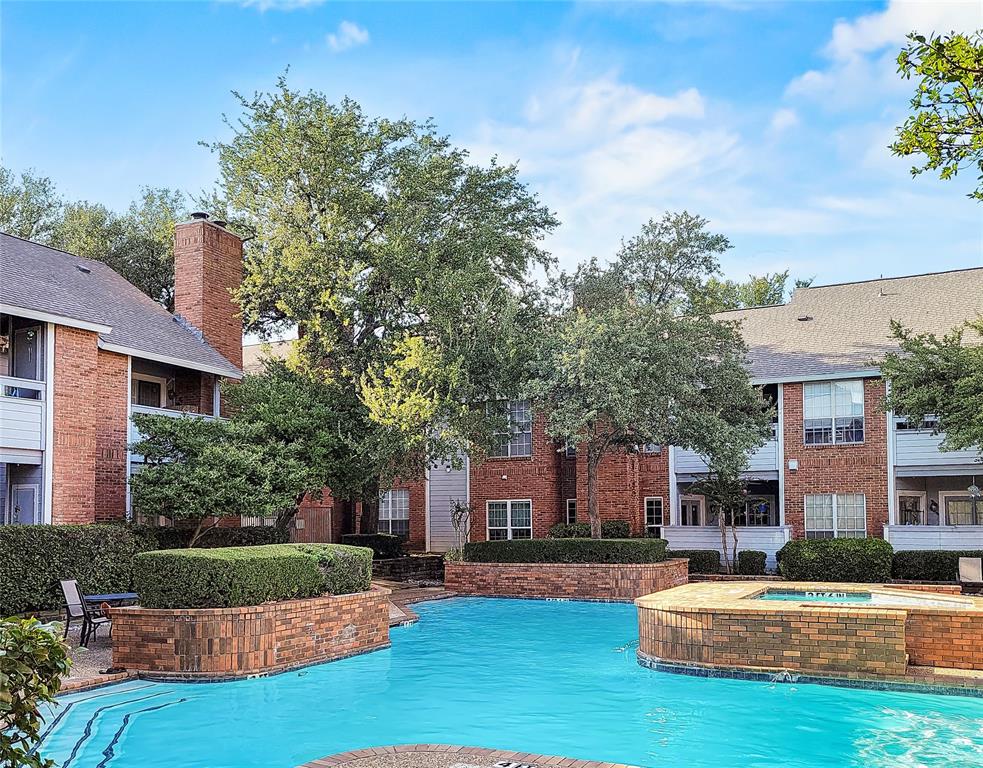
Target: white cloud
{"x": 783, "y": 119}
{"x": 348, "y": 35}
{"x": 279, "y": 5}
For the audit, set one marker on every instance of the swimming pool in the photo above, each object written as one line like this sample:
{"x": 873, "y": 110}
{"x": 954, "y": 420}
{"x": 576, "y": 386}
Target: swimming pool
{"x": 527, "y": 675}
{"x": 860, "y": 598}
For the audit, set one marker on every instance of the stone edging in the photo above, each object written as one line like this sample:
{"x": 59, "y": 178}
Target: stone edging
{"x": 452, "y": 751}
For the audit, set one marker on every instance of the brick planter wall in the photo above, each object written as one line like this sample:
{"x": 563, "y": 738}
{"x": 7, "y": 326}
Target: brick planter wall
{"x": 941, "y": 638}
{"x": 219, "y": 643}
{"x": 412, "y": 568}
{"x": 589, "y": 581}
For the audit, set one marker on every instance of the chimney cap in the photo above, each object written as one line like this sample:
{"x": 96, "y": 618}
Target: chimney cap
{"x": 199, "y": 216}
{"x": 220, "y": 223}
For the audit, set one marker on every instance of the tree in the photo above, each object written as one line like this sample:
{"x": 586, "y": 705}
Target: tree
{"x": 406, "y": 267}
{"x": 947, "y": 126}
{"x": 29, "y": 207}
{"x": 625, "y": 361}
{"x": 201, "y": 470}
{"x": 757, "y": 291}
{"x": 725, "y": 491}
{"x": 941, "y": 378}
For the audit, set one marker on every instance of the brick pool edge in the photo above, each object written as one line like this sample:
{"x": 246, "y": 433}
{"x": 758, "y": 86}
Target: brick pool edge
{"x": 228, "y": 643}
{"x": 573, "y": 581}
{"x": 452, "y": 755}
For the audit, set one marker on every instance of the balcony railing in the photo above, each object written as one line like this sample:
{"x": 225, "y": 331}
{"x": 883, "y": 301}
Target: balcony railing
{"x": 920, "y": 448}
{"x": 21, "y": 413}
{"x": 134, "y": 433}
{"x": 765, "y": 459}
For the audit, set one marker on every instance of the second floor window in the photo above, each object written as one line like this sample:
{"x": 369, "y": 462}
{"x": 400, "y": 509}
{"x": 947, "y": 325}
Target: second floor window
{"x": 517, "y": 441}
{"x": 571, "y": 511}
{"x": 833, "y": 412}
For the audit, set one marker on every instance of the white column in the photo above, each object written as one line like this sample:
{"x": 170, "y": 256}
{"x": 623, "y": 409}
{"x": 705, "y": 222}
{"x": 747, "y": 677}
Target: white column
{"x": 129, "y": 421}
{"x": 892, "y": 447}
{"x": 49, "y": 419}
{"x": 216, "y": 397}
{"x": 673, "y": 489}
{"x": 780, "y": 449}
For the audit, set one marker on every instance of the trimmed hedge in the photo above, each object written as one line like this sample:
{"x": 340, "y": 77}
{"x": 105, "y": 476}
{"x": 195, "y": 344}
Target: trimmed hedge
{"x": 567, "y": 551}
{"x": 237, "y": 576}
{"x": 384, "y": 546}
{"x": 859, "y": 560}
{"x": 929, "y": 564}
{"x": 33, "y": 558}
{"x": 610, "y": 529}
{"x": 700, "y": 560}
{"x": 751, "y": 562}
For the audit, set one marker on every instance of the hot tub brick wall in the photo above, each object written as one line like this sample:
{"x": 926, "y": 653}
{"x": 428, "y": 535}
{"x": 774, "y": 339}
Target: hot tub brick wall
{"x": 587, "y": 581}
{"x": 939, "y": 638}
{"x": 233, "y": 642}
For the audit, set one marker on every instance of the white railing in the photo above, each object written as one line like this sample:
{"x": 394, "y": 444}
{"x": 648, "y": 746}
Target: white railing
{"x": 765, "y": 538}
{"x": 950, "y": 537}
{"x": 134, "y": 433}
{"x": 765, "y": 459}
{"x": 21, "y": 413}
{"x": 920, "y": 448}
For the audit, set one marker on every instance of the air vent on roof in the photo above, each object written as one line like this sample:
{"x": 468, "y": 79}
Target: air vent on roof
{"x": 83, "y": 269}
{"x": 199, "y": 215}
{"x": 219, "y": 222}
{"x": 803, "y": 318}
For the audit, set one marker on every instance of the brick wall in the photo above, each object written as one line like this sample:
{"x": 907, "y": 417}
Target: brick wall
{"x": 111, "y": 436}
{"x": 234, "y": 642}
{"x": 595, "y": 581}
{"x": 77, "y": 408}
{"x": 624, "y": 480}
{"x": 860, "y": 468}
{"x": 417, "y": 541}
{"x": 942, "y": 638}
{"x": 193, "y": 391}
{"x": 207, "y": 267}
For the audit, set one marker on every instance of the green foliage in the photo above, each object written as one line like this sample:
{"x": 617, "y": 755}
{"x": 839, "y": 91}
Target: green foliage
{"x": 610, "y": 529}
{"x": 700, "y": 560}
{"x": 751, "y": 562}
{"x": 33, "y": 660}
{"x": 929, "y": 564}
{"x": 161, "y": 537}
{"x": 757, "y": 291}
{"x": 383, "y": 545}
{"x": 846, "y": 560}
{"x": 939, "y": 377}
{"x": 238, "y": 576}
{"x": 947, "y": 125}
{"x": 567, "y": 551}
{"x": 29, "y": 206}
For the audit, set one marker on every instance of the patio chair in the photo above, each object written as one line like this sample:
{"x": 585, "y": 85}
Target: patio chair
{"x": 77, "y": 608}
{"x": 971, "y": 572}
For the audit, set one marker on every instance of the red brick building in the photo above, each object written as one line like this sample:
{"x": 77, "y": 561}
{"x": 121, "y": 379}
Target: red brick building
{"x": 81, "y": 350}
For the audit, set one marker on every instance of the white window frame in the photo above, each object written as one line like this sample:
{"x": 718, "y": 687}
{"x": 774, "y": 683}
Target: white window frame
{"x": 511, "y": 451}
{"x": 836, "y": 527}
{"x": 701, "y": 501}
{"x": 833, "y": 417}
{"x": 509, "y": 528}
{"x": 662, "y": 514}
{"x": 944, "y": 515}
{"x": 388, "y": 505}
{"x": 923, "y": 495}
{"x": 134, "y": 388}
{"x": 571, "y": 503}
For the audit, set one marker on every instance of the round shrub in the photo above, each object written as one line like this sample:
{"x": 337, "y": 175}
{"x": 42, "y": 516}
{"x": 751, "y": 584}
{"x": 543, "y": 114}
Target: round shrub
{"x": 929, "y": 564}
{"x": 858, "y": 560}
{"x": 610, "y": 529}
{"x": 700, "y": 560}
{"x": 238, "y": 576}
{"x": 751, "y": 562}
{"x": 567, "y": 551}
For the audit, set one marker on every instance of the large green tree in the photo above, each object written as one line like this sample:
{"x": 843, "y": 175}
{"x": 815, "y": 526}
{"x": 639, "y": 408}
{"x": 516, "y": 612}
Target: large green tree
{"x": 946, "y": 129}
{"x": 717, "y": 295}
{"x": 941, "y": 377}
{"x": 30, "y": 207}
{"x": 405, "y": 266}
{"x": 625, "y": 360}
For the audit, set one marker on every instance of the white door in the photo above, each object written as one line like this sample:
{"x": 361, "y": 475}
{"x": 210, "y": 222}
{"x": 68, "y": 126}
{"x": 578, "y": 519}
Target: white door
{"x": 24, "y": 508}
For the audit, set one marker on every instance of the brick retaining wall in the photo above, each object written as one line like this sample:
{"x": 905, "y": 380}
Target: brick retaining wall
{"x": 589, "y": 581}
{"x": 220, "y": 643}
{"x": 412, "y": 568}
{"x": 940, "y": 638}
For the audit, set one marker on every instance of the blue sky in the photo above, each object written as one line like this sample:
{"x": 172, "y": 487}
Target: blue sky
{"x": 769, "y": 118}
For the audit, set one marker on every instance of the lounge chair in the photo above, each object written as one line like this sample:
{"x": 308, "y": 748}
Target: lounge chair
{"x": 76, "y": 607}
{"x": 971, "y": 572}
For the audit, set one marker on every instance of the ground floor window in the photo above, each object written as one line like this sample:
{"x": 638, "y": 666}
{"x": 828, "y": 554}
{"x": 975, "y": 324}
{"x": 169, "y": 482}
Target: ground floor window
{"x": 653, "y": 515}
{"x": 509, "y": 520}
{"x": 394, "y": 513}
{"x": 835, "y": 515}
{"x": 571, "y": 511}
{"x": 691, "y": 510}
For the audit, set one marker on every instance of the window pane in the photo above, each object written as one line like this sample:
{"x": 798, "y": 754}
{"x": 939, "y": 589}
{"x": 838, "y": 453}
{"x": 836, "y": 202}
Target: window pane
{"x": 520, "y": 419}
{"x": 848, "y": 398}
{"x": 818, "y": 431}
{"x": 819, "y": 515}
{"x": 653, "y": 512}
{"x": 850, "y": 430}
{"x": 521, "y": 514}
{"x": 497, "y": 534}
{"x": 521, "y": 533}
{"x": 959, "y": 510}
{"x": 498, "y": 514}
{"x": 571, "y": 510}
{"x": 817, "y": 400}
{"x": 851, "y": 520}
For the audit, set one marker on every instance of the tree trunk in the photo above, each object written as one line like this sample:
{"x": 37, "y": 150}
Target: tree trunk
{"x": 593, "y": 513}
{"x": 369, "y": 521}
{"x": 733, "y": 533}
{"x": 722, "y": 524}
{"x": 287, "y": 515}
{"x": 201, "y": 530}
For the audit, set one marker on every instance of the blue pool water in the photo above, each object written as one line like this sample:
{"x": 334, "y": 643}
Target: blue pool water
{"x": 816, "y": 597}
{"x": 528, "y": 675}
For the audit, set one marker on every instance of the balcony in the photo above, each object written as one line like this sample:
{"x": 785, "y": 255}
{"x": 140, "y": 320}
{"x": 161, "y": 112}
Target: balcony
{"x": 917, "y": 454}
{"x": 763, "y": 461}
{"x": 21, "y": 414}
{"x": 764, "y": 538}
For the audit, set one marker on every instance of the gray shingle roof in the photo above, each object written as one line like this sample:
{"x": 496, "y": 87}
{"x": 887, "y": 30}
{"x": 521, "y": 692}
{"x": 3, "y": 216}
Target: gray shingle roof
{"x": 253, "y": 355}
{"x": 35, "y": 277}
{"x": 849, "y": 323}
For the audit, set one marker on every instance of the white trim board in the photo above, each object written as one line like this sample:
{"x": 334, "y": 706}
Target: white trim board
{"x": 50, "y": 317}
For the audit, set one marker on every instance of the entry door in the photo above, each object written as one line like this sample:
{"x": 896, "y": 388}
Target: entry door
{"x": 24, "y": 508}
{"x": 26, "y": 358}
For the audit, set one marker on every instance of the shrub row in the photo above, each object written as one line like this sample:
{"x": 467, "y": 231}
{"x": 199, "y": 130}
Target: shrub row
{"x": 751, "y": 562}
{"x": 33, "y": 558}
{"x": 239, "y": 576}
{"x": 858, "y": 560}
{"x": 567, "y": 551}
{"x": 610, "y": 529}
{"x": 929, "y": 564}
{"x": 384, "y": 546}
{"x": 700, "y": 560}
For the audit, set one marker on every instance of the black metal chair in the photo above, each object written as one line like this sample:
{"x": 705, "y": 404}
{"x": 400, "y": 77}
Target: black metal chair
{"x": 76, "y": 607}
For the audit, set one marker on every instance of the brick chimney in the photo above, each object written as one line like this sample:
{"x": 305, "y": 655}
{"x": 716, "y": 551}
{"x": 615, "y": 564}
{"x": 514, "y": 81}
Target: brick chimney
{"x": 207, "y": 268}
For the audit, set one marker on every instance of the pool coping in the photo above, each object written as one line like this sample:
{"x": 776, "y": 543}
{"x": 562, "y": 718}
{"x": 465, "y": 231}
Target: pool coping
{"x": 453, "y": 751}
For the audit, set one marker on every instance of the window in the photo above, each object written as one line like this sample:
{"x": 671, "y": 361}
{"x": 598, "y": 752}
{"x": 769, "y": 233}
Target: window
{"x": 833, "y": 412}
{"x": 509, "y": 520}
{"x": 653, "y": 515}
{"x": 651, "y": 448}
{"x": 571, "y": 511}
{"x": 961, "y": 509}
{"x": 758, "y": 511}
{"x": 518, "y": 440}
{"x": 394, "y": 513}
{"x": 836, "y": 515}
{"x": 149, "y": 391}
{"x": 571, "y": 451}
{"x": 912, "y": 508}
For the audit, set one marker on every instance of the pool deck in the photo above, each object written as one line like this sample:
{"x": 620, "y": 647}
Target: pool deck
{"x": 449, "y": 756}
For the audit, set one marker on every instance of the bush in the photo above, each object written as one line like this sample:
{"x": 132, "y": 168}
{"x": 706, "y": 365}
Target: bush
{"x": 567, "y": 551}
{"x": 610, "y": 529}
{"x": 858, "y": 560}
{"x": 32, "y": 662}
{"x": 929, "y": 564}
{"x": 751, "y": 562}
{"x": 384, "y": 546}
{"x": 33, "y": 558}
{"x": 700, "y": 560}
{"x": 237, "y": 576}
